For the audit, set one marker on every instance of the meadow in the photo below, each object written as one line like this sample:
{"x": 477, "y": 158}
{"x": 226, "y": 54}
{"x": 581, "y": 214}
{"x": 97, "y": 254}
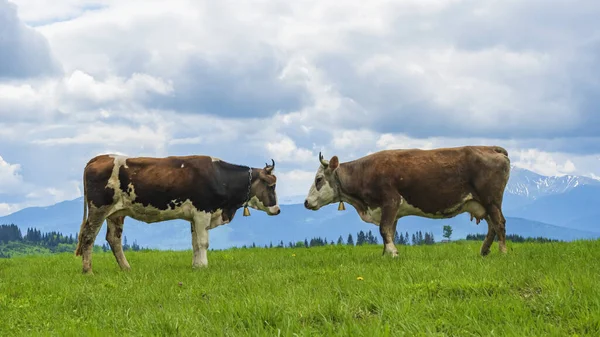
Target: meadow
{"x": 537, "y": 289}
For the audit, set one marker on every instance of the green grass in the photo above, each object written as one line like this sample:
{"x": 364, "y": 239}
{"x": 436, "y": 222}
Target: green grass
{"x": 550, "y": 289}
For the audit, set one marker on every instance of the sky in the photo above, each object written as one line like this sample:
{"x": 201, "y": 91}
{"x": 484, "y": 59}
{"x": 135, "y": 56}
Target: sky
{"x": 254, "y": 80}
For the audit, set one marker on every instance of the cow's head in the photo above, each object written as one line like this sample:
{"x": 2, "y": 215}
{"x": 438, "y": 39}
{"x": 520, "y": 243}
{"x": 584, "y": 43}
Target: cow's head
{"x": 262, "y": 191}
{"x": 324, "y": 189}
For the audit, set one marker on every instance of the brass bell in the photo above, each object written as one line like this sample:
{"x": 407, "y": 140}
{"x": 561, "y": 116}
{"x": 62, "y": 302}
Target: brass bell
{"x": 341, "y": 206}
{"x": 246, "y": 211}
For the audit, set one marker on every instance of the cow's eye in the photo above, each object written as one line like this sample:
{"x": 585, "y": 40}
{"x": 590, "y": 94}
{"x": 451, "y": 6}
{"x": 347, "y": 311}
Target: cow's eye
{"x": 319, "y": 180}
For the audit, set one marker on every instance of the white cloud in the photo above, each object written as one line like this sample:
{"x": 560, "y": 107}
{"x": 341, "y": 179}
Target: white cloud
{"x": 285, "y": 150}
{"x": 294, "y": 182}
{"x": 120, "y": 136}
{"x": 6, "y": 208}
{"x": 51, "y": 195}
{"x": 543, "y": 163}
{"x": 10, "y": 177}
{"x": 80, "y": 85}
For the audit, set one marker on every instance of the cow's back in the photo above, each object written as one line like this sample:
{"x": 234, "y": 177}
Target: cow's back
{"x": 162, "y": 183}
{"x": 165, "y": 183}
{"x": 437, "y": 179}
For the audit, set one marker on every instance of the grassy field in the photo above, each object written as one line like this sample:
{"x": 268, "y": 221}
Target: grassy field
{"x": 550, "y": 289}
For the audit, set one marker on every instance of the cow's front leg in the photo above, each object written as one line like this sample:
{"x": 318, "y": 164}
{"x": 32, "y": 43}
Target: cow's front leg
{"x": 200, "y": 226}
{"x": 387, "y": 229}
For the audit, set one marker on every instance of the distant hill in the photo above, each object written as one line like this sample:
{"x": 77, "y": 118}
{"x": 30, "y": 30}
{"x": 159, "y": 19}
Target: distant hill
{"x": 578, "y": 208}
{"x": 557, "y": 208}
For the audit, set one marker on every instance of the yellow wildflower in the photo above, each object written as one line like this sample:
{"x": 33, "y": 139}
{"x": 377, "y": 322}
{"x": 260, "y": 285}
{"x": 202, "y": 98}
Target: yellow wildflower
{"x": 360, "y": 278}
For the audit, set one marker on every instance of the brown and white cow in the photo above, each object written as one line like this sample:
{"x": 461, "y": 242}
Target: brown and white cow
{"x": 439, "y": 183}
{"x": 203, "y": 190}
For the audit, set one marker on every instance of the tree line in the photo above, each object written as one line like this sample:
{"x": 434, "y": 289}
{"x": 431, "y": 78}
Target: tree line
{"x": 12, "y": 233}
{"x": 54, "y": 241}
{"x": 58, "y": 242}
{"x": 362, "y": 238}
{"x": 513, "y": 238}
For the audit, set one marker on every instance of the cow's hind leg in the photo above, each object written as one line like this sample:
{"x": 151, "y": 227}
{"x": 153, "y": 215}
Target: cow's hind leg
{"x": 387, "y": 229}
{"x": 496, "y": 226}
{"x": 489, "y": 238}
{"x": 200, "y": 225}
{"x": 114, "y": 232}
{"x": 87, "y": 236}
{"x": 500, "y": 226}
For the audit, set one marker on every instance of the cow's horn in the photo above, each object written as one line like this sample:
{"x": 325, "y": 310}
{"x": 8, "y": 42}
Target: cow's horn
{"x": 323, "y": 161}
{"x": 270, "y": 168}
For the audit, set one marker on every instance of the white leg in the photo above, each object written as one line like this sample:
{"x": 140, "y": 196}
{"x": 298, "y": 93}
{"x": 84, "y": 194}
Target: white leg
{"x": 200, "y": 226}
{"x": 391, "y": 249}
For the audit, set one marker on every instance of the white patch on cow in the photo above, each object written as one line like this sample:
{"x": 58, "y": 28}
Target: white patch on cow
{"x": 120, "y": 159}
{"x": 182, "y": 165}
{"x": 319, "y": 198}
{"x": 131, "y": 191}
{"x": 373, "y": 215}
{"x": 113, "y": 181}
{"x": 215, "y": 159}
{"x": 217, "y": 219}
{"x": 255, "y": 203}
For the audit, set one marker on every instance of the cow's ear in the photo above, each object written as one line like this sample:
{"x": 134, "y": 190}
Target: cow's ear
{"x": 267, "y": 177}
{"x": 334, "y": 162}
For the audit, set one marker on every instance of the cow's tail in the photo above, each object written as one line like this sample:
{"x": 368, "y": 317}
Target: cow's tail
{"x": 84, "y": 221}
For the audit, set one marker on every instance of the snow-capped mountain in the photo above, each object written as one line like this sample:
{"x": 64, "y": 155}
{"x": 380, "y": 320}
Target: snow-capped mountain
{"x": 531, "y": 185}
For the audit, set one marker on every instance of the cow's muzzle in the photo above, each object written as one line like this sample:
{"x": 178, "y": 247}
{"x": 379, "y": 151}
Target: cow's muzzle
{"x": 274, "y": 210}
{"x": 308, "y": 206}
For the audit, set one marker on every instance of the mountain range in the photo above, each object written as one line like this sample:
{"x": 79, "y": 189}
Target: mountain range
{"x": 557, "y": 207}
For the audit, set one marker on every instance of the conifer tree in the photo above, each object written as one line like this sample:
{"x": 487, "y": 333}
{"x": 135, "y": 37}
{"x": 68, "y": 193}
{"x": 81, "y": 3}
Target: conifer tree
{"x": 350, "y": 241}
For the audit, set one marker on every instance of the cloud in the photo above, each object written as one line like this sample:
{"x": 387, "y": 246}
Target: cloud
{"x": 78, "y": 97}
{"x": 294, "y": 182}
{"x": 234, "y": 87}
{"x": 285, "y": 150}
{"x": 52, "y": 194}
{"x": 543, "y": 163}
{"x": 7, "y": 208}
{"x": 35, "y": 12}
{"x": 80, "y": 86}
{"x": 10, "y": 177}
{"x": 24, "y": 52}
{"x": 113, "y": 135}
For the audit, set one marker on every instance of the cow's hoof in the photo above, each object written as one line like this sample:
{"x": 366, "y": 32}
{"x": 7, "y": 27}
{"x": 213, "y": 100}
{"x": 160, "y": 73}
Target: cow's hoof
{"x": 199, "y": 266}
{"x": 392, "y": 254}
{"x": 485, "y": 252}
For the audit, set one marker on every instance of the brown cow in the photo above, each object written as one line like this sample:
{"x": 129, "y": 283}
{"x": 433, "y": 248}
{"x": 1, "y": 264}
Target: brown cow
{"x": 437, "y": 184}
{"x": 203, "y": 190}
